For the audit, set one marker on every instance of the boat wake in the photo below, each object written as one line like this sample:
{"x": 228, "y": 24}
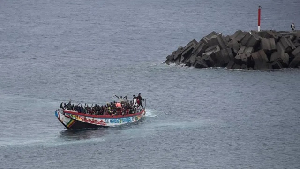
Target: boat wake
{"x": 150, "y": 113}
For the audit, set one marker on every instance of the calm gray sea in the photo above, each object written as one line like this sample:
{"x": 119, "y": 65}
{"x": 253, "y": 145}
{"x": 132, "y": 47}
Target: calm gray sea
{"x": 90, "y": 50}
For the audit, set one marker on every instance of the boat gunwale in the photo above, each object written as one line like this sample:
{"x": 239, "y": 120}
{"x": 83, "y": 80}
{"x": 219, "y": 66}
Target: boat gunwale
{"x": 103, "y": 116}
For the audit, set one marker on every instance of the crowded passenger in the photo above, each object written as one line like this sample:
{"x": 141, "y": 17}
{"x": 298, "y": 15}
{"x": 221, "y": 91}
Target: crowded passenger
{"x": 121, "y": 107}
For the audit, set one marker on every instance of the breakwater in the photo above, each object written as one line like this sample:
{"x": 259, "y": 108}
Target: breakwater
{"x": 243, "y": 50}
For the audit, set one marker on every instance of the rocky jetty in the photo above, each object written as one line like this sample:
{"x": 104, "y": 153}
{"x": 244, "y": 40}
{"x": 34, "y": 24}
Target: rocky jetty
{"x": 243, "y": 50}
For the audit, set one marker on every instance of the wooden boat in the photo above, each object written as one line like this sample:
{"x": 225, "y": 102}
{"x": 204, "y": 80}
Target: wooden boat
{"x": 72, "y": 119}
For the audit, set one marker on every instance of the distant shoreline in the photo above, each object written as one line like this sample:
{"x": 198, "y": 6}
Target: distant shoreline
{"x": 264, "y": 50}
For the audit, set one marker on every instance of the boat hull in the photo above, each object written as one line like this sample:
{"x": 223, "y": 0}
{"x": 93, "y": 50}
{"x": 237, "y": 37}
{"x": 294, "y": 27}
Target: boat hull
{"x": 75, "y": 120}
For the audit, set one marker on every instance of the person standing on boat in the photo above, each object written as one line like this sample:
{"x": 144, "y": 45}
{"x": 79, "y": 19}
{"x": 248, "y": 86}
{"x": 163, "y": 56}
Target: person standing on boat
{"x": 140, "y": 99}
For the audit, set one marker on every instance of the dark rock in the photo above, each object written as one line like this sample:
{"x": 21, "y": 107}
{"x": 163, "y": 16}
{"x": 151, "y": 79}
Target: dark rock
{"x": 177, "y": 54}
{"x": 275, "y": 56}
{"x": 191, "y": 61}
{"x": 243, "y": 66}
{"x": 287, "y": 45}
{"x": 169, "y": 58}
{"x": 250, "y": 40}
{"x": 297, "y": 44}
{"x": 221, "y": 42}
{"x": 241, "y": 58}
{"x": 210, "y": 55}
{"x": 230, "y": 65}
{"x": 222, "y": 57}
{"x": 283, "y": 58}
{"x": 276, "y": 65}
{"x": 295, "y": 62}
{"x": 269, "y": 34}
{"x": 244, "y": 49}
{"x": 226, "y": 54}
{"x": 215, "y": 39}
{"x": 200, "y": 48}
{"x": 227, "y": 38}
{"x": 263, "y": 56}
{"x": 212, "y": 49}
{"x": 207, "y": 38}
{"x": 260, "y": 60}
{"x": 238, "y": 35}
{"x": 183, "y": 54}
{"x": 236, "y": 66}
{"x": 211, "y": 34}
{"x": 186, "y": 54}
{"x": 235, "y": 45}
{"x": 296, "y": 51}
{"x": 200, "y": 63}
{"x": 268, "y": 45}
{"x": 208, "y": 60}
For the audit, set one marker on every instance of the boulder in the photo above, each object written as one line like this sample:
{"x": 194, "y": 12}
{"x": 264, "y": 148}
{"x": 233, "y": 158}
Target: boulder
{"x": 244, "y": 49}
{"x": 286, "y": 44}
{"x": 295, "y": 62}
{"x": 191, "y": 60}
{"x": 221, "y": 42}
{"x": 169, "y": 59}
{"x": 297, "y": 44}
{"x": 241, "y": 58}
{"x": 211, "y": 34}
{"x": 227, "y": 38}
{"x": 268, "y": 45}
{"x": 288, "y": 35}
{"x": 206, "y": 38}
{"x": 275, "y": 56}
{"x": 174, "y": 56}
{"x": 208, "y": 60}
{"x": 200, "y": 63}
{"x": 222, "y": 57}
{"x": 296, "y": 51}
{"x": 269, "y": 34}
{"x": 260, "y": 60}
{"x": 283, "y": 58}
{"x": 200, "y": 48}
{"x": 227, "y": 55}
{"x": 257, "y": 50}
{"x": 177, "y": 53}
{"x": 250, "y": 40}
{"x": 243, "y": 66}
{"x": 235, "y": 45}
{"x": 186, "y": 52}
{"x": 230, "y": 65}
{"x": 215, "y": 39}
{"x": 236, "y": 66}
{"x": 276, "y": 65}
{"x": 263, "y": 56}
{"x": 212, "y": 49}
{"x": 238, "y": 35}
{"x": 244, "y": 56}
{"x": 210, "y": 55}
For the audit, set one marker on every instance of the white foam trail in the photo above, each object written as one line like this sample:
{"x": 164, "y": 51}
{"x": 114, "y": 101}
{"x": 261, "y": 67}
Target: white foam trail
{"x": 150, "y": 113}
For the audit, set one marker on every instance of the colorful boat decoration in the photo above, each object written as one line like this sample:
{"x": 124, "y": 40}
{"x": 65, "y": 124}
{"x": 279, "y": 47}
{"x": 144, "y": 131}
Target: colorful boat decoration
{"x": 74, "y": 119}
